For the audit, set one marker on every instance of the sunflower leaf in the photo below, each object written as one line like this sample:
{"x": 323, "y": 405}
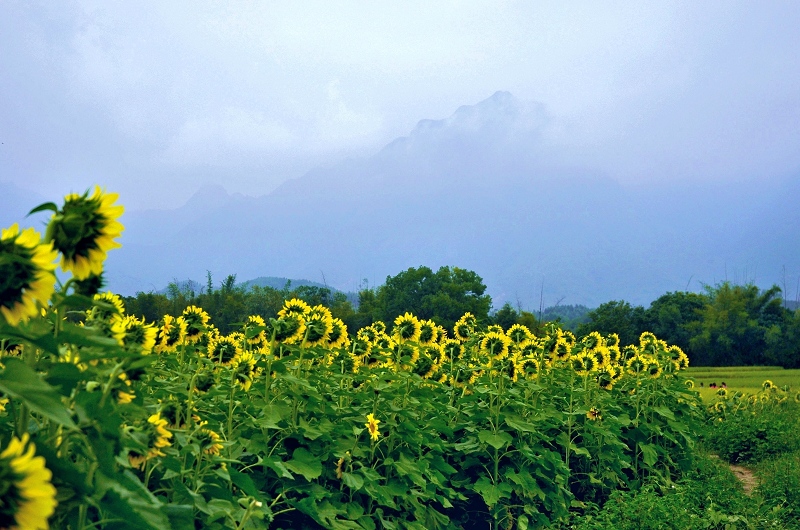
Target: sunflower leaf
{"x": 43, "y": 207}
{"x": 22, "y": 383}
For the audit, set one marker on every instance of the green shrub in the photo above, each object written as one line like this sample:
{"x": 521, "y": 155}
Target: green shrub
{"x": 750, "y": 436}
{"x": 780, "y": 483}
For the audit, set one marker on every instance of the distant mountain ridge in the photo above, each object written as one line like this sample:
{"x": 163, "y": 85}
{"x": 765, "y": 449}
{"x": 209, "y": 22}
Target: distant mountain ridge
{"x": 484, "y": 190}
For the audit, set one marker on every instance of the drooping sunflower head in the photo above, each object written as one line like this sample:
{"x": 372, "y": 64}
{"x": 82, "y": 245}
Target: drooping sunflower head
{"x": 109, "y": 305}
{"x": 405, "y": 355}
{"x": 289, "y": 329}
{"x": 424, "y": 365}
{"x": 653, "y": 368}
{"x": 428, "y": 332}
{"x": 295, "y": 306}
{"x": 594, "y": 414}
{"x": 140, "y": 337}
{"x": 519, "y": 333}
{"x": 767, "y": 385}
{"x": 494, "y": 328}
{"x": 592, "y": 340}
{"x": 495, "y": 345}
{"x": 319, "y": 324}
{"x": 582, "y": 363}
{"x": 171, "y": 333}
{"x": 244, "y": 370}
{"x": 407, "y": 327}
{"x": 561, "y": 351}
{"x": 368, "y": 333}
{"x": 612, "y": 340}
{"x": 379, "y": 326}
{"x": 465, "y": 327}
{"x": 722, "y": 393}
{"x": 689, "y": 384}
{"x": 26, "y": 273}
{"x": 372, "y": 427}
{"x": 224, "y": 349}
{"x": 209, "y": 441}
{"x": 84, "y": 230}
{"x": 636, "y": 364}
{"x": 452, "y": 349}
{"x": 607, "y": 377}
{"x": 529, "y": 367}
{"x": 196, "y": 323}
{"x": 28, "y": 497}
{"x": 338, "y": 337}
{"x": 255, "y": 330}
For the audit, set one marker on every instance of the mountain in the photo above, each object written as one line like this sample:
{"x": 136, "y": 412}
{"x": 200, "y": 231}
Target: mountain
{"x": 488, "y": 190}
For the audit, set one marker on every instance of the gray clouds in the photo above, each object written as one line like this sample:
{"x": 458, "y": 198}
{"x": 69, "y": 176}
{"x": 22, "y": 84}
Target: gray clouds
{"x": 156, "y": 99}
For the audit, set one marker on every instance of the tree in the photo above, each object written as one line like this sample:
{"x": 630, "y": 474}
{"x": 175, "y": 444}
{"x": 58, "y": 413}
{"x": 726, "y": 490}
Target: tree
{"x": 672, "y": 315}
{"x": 443, "y": 296}
{"x": 506, "y": 316}
{"x": 617, "y": 316}
{"x": 732, "y": 328}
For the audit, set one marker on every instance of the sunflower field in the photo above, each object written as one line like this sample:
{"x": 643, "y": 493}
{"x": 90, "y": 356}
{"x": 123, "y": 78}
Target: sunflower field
{"x": 108, "y": 421}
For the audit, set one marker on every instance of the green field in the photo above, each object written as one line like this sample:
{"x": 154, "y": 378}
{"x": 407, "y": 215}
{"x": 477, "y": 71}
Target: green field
{"x": 746, "y": 379}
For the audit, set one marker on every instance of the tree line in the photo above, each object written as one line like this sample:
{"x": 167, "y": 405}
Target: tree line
{"x": 726, "y": 325}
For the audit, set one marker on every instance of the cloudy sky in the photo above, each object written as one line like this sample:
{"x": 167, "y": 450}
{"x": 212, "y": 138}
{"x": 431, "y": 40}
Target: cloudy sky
{"x": 156, "y": 99}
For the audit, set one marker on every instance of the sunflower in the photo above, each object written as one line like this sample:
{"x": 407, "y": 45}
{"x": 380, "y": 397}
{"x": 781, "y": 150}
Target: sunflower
{"x": 338, "y": 337}
{"x": 139, "y": 336}
{"x": 208, "y": 441}
{"x": 428, "y": 332}
{"x": 319, "y": 324}
{"x": 722, "y": 393}
{"x": 529, "y": 367}
{"x": 110, "y": 304}
{"x": 495, "y": 345}
{"x": 196, "y": 321}
{"x": 452, "y": 349}
{"x": 372, "y": 427}
{"x": 379, "y": 326}
{"x": 464, "y": 327}
{"x": 583, "y": 363}
{"x": 156, "y": 438}
{"x": 689, "y": 384}
{"x": 289, "y": 329}
{"x": 405, "y": 355}
{"x": 224, "y": 350}
{"x": 593, "y": 340}
{"x": 243, "y": 366}
{"x": 84, "y": 230}
{"x": 424, "y": 366}
{"x": 295, "y": 306}
{"x": 171, "y": 333}
{"x": 28, "y": 498}
{"x": 767, "y": 385}
{"x": 519, "y": 333}
{"x": 594, "y": 414}
{"x": 636, "y": 364}
{"x": 407, "y": 327}
{"x": 26, "y": 273}
{"x": 607, "y": 377}
{"x": 653, "y": 369}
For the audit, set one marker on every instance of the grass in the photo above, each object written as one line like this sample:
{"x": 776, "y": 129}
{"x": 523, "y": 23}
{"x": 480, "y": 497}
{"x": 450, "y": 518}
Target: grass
{"x": 746, "y": 379}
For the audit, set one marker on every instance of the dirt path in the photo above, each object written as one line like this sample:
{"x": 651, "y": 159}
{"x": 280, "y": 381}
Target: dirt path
{"x": 746, "y": 477}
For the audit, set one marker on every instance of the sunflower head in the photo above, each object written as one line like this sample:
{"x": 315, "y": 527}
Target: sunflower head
{"x": 171, "y": 333}
{"x": 372, "y": 427}
{"x": 295, "y": 306}
{"x": 338, "y": 337}
{"x": 519, "y": 333}
{"x": 208, "y": 441}
{"x": 319, "y": 324}
{"x": 495, "y": 345}
{"x": 224, "y": 349}
{"x": 84, "y": 230}
{"x": 26, "y": 273}
{"x": 28, "y": 497}
{"x": 196, "y": 323}
{"x": 428, "y": 332}
{"x": 407, "y": 327}
{"x": 244, "y": 370}
{"x": 593, "y": 414}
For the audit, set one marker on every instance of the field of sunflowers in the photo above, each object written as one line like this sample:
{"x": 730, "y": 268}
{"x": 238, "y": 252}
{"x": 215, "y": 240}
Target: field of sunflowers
{"x": 108, "y": 421}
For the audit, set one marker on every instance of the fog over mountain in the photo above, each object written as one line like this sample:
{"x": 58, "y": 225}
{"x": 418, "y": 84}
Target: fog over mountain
{"x": 488, "y": 190}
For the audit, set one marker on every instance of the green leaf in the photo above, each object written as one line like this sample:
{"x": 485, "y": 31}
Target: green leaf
{"x": 649, "y": 453}
{"x": 43, "y": 207}
{"x": 22, "y": 383}
{"x": 245, "y": 483}
{"x": 352, "y": 481}
{"x": 522, "y": 522}
{"x": 520, "y": 425}
{"x": 498, "y": 441}
{"x": 304, "y": 463}
{"x": 127, "y": 498}
{"x": 491, "y": 493}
